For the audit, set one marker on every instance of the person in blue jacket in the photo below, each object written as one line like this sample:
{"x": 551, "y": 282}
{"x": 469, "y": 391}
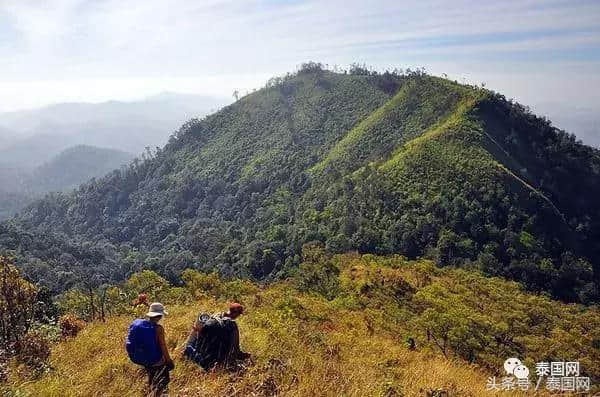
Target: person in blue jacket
{"x": 146, "y": 346}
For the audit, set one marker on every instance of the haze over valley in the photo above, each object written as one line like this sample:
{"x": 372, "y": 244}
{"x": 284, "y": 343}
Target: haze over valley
{"x": 57, "y": 147}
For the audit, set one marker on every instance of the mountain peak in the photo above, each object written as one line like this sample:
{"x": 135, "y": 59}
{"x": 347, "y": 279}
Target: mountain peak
{"x": 375, "y": 162}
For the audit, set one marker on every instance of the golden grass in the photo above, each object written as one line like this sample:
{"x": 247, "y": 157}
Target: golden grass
{"x": 302, "y": 345}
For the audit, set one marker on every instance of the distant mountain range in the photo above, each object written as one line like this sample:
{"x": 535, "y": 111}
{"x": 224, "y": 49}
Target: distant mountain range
{"x": 32, "y": 137}
{"x": 65, "y": 171}
{"x": 74, "y": 166}
{"x": 57, "y": 147}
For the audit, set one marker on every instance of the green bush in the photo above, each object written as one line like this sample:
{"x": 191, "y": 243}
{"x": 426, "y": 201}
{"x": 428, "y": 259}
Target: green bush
{"x": 147, "y": 282}
{"x": 202, "y": 284}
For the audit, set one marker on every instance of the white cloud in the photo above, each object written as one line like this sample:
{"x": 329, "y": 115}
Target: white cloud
{"x": 98, "y": 49}
{"x": 100, "y": 90}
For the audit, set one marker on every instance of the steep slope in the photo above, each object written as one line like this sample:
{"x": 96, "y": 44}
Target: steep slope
{"x": 379, "y": 163}
{"x": 454, "y": 194}
{"x": 418, "y": 104}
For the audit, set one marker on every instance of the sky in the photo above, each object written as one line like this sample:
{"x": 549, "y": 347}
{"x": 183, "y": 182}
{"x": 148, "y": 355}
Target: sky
{"x": 545, "y": 54}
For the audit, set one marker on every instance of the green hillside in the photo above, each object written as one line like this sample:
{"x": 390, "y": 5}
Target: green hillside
{"x": 378, "y": 163}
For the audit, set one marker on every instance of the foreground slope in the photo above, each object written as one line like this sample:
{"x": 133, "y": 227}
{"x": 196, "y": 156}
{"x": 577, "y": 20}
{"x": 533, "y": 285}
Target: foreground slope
{"x": 379, "y": 163}
{"x": 346, "y": 325}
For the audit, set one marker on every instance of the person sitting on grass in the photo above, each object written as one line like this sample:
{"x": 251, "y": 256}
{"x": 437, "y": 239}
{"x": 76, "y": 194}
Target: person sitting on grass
{"x": 214, "y": 341}
{"x": 146, "y": 346}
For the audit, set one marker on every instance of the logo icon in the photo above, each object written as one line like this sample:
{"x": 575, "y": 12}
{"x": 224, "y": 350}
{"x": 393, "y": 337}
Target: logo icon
{"x": 557, "y": 376}
{"x": 514, "y": 366}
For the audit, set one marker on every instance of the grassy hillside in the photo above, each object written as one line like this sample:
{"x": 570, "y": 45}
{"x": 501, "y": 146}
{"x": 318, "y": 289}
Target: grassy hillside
{"x": 342, "y": 326}
{"x": 446, "y": 195}
{"x": 379, "y": 163}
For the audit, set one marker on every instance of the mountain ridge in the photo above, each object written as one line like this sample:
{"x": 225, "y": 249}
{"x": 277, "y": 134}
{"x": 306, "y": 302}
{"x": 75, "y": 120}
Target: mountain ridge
{"x": 241, "y": 190}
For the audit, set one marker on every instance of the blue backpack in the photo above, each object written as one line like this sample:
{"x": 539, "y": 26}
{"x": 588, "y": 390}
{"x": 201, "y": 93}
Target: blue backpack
{"x": 142, "y": 343}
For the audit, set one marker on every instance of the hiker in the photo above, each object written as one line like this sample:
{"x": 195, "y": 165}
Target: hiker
{"x": 214, "y": 341}
{"x": 146, "y": 346}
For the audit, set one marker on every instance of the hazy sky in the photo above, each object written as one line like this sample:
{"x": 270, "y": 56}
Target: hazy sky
{"x": 543, "y": 53}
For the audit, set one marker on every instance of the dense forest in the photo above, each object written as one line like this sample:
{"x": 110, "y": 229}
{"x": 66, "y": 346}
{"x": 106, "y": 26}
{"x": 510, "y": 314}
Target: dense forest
{"x": 395, "y": 162}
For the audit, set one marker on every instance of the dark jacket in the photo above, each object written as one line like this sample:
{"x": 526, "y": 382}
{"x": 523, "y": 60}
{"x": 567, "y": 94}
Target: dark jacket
{"x": 217, "y": 343}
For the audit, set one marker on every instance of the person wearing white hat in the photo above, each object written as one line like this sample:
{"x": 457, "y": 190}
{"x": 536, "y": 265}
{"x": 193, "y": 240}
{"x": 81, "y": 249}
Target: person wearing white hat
{"x": 158, "y": 374}
{"x": 146, "y": 346}
{"x": 156, "y": 310}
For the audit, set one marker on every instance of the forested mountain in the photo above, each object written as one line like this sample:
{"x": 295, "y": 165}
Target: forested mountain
{"x": 27, "y": 153}
{"x": 64, "y": 172}
{"x": 380, "y": 163}
{"x": 37, "y": 152}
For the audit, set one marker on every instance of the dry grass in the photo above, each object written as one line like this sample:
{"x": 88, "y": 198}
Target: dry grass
{"x": 303, "y": 346}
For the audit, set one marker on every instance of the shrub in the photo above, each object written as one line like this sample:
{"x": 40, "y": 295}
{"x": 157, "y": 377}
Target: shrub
{"x": 75, "y": 301}
{"x": 50, "y": 331}
{"x": 33, "y": 350}
{"x": 70, "y": 325}
{"x": 317, "y": 273}
{"x": 234, "y": 290}
{"x": 202, "y": 283}
{"x": 147, "y": 282}
{"x": 17, "y": 303}
{"x": 321, "y": 278}
{"x": 114, "y": 300}
{"x": 177, "y": 295}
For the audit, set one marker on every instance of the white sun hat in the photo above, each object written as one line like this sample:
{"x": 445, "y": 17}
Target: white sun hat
{"x": 157, "y": 309}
